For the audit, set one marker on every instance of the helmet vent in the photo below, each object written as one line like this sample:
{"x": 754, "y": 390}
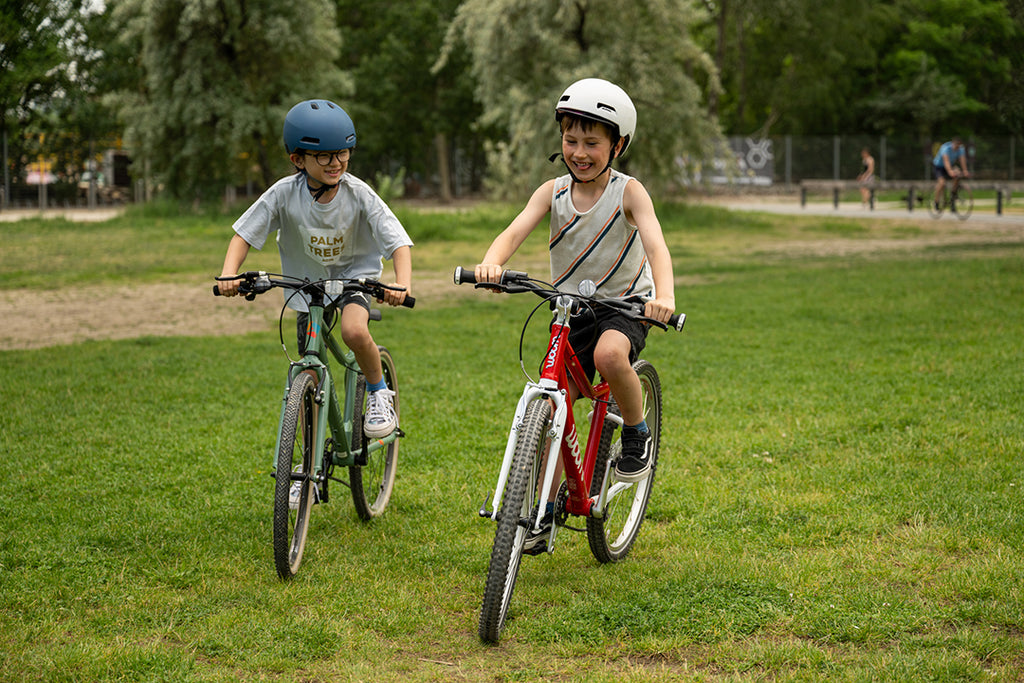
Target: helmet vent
{"x": 606, "y": 107}
{"x": 311, "y": 141}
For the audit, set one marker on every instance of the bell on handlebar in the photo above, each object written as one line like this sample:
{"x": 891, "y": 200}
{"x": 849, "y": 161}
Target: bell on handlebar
{"x": 587, "y": 288}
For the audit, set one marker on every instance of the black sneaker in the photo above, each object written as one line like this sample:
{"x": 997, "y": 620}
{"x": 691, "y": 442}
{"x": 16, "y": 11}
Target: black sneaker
{"x": 635, "y": 463}
{"x": 537, "y": 539}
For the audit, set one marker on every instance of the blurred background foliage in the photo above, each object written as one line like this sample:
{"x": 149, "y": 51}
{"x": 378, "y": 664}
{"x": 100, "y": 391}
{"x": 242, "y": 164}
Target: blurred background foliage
{"x": 457, "y": 97}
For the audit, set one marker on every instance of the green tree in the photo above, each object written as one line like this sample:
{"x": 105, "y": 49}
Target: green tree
{"x": 524, "y": 53}
{"x": 38, "y": 40}
{"x": 218, "y": 78}
{"x": 789, "y": 67}
{"x": 407, "y": 116}
{"x": 945, "y": 64}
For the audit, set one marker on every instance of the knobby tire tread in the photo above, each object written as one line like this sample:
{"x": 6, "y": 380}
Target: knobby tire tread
{"x": 635, "y": 500}
{"x": 517, "y": 503}
{"x": 298, "y": 420}
{"x": 373, "y": 484}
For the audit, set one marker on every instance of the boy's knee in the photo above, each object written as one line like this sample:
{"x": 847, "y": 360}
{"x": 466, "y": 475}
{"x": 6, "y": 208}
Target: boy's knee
{"x": 355, "y": 335}
{"x": 609, "y": 360}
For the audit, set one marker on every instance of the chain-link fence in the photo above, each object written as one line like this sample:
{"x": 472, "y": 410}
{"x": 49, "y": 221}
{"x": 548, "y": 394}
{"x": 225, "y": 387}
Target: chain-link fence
{"x": 88, "y": 175}
{"x": 785, "y": 161}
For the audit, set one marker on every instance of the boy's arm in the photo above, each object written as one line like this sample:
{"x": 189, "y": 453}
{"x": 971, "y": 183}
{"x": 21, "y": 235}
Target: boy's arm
{"x": 401, "y": 260}
{"x": 238, "y": 249}
{"x": 640, "y": 212}
{"x": 505, "y": 244}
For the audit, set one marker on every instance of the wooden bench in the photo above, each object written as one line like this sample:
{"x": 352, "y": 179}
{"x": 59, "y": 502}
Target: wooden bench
{"x": 914, "y": 188}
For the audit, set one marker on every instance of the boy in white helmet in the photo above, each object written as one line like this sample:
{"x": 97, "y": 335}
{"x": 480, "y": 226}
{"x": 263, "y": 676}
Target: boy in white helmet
{"x": 603, "y": 228}
{"x": 329, "y": 224}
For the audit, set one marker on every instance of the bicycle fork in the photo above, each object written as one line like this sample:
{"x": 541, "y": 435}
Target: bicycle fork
{"x": 548, "y": 390}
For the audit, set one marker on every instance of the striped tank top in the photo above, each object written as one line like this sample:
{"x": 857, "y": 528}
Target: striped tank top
{"x": 598, "y": 245}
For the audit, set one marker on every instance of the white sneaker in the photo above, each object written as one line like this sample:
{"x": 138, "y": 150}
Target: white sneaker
{"x": 380, "y": 418}
{"x": 296, "y": 491}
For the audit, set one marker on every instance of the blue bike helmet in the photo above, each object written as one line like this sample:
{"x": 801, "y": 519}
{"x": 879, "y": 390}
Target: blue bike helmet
{"x": 318, "y": 126}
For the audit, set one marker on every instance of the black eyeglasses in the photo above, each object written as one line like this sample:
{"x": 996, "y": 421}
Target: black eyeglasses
{"x": 324, "y": 158}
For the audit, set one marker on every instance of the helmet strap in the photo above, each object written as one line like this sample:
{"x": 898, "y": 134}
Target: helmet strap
{"x": 317, "y": 192}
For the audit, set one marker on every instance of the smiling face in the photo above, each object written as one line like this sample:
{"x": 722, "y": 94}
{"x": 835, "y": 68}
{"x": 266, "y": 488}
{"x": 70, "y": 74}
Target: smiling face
{"x": 322, "y": 168}
{"x": 587, "y": 149}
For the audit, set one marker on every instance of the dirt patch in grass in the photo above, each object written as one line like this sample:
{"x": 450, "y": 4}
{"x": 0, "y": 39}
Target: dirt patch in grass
{"x": 189, "y": 309}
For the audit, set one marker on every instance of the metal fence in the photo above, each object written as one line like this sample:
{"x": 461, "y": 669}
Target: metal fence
{"x": 52, "y": 179}
{"x": 787, "y": 160}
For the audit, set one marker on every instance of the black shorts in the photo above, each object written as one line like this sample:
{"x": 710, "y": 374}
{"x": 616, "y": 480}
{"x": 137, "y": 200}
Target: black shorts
{"x": 302, "y": 318}
{"x": 590, "y": 324}
{"x": 940, "y": 172}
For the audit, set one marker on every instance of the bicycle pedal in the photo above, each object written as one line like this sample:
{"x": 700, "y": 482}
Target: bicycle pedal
{"x": 539, "y": 549}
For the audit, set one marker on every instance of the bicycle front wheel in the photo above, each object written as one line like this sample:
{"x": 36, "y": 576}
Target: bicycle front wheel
{"x": 962, "y": 202}
{"x": 517, "y": 505}
{"x": 373, "y": 482}
{"x": 295, "y": 463}
{"x": 612, "y": 535}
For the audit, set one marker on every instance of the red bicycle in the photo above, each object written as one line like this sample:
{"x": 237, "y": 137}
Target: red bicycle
{"x": 543, "y": 428}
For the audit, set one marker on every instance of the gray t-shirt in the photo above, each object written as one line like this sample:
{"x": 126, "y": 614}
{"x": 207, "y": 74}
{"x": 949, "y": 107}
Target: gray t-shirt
{"x": 346, "y": 238}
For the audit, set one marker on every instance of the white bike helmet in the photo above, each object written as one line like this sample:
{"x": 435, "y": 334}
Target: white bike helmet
{"x": 599, "y": 100}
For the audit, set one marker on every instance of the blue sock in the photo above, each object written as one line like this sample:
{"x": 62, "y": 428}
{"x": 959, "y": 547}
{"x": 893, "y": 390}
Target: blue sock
{"x": 378, "y": 386}
{"x": 642, "y": 427}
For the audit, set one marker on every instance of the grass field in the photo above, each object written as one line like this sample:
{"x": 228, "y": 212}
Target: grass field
{"x": 839, "y": 494}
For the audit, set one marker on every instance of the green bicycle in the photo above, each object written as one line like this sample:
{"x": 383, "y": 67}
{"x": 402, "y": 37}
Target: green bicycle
{"x": 309, "y": 448}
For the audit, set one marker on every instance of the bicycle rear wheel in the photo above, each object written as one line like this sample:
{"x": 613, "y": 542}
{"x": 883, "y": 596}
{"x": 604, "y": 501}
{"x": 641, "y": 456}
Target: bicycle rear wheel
{"x": 518, "y": 503}
{"x": 295, "y": 462}
{"x": 962, "y": 202}
{"x": 612, "y": 535}
{"x": 373, "y": 482}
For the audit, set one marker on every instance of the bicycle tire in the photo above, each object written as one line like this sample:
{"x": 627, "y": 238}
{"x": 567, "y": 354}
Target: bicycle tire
{"x": 518, "y": 503}
{"x": 373, "y": 483}
{"x": 936, "y": 211}
{"x": 612, "y": 535}
{"x": 962, "y": 202}
{"x": 298, "y": 430}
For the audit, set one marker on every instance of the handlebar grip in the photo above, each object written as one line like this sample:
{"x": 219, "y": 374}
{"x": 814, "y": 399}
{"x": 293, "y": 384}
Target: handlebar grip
{"x": 677, "y": 321}
{"x": 409, "y": 301}
{"x": 216, "y": 291}
{"x": 463, "y": 276}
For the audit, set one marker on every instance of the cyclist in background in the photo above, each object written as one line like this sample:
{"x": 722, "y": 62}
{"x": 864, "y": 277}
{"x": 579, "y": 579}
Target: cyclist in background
{"x": 329, "y": 225}
{"x": 943, "y": 166}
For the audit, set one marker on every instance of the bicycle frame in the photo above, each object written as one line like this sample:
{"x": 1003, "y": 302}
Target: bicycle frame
{"x": 559, "y": 365}
{"x": 340, "y": 416}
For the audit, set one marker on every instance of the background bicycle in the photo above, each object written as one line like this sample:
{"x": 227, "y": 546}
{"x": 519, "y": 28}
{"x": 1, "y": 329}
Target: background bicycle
{"x": 309, "y": 447}
{"x": 959, "y": 199}
{"x": 544, "y": 429}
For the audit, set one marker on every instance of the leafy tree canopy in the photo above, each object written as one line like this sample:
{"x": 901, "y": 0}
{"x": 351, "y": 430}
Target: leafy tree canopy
{"x": 219, "y": 77}
{"x": 524, "y": 54}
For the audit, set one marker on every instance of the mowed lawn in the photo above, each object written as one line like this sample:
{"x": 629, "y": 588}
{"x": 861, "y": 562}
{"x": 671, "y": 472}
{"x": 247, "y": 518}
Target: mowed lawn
{"x": 839, "y": 493}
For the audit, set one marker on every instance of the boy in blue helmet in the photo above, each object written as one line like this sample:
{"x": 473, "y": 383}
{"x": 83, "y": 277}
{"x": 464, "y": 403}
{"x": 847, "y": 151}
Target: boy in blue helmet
{"x": 602, "y": 227}
{"x": 329, "y": 224}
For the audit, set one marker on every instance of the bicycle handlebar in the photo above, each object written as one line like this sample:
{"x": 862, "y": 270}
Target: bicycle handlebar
{"x": 514, "y": 282}
{"x": 257, "y": 282}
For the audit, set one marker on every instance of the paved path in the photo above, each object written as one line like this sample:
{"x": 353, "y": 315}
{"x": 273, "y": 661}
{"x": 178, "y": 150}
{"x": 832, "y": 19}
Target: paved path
{"x": 791, "y": 205}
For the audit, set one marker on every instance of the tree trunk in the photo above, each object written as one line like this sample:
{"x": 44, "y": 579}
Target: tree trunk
{"x": 443, "y": 167}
